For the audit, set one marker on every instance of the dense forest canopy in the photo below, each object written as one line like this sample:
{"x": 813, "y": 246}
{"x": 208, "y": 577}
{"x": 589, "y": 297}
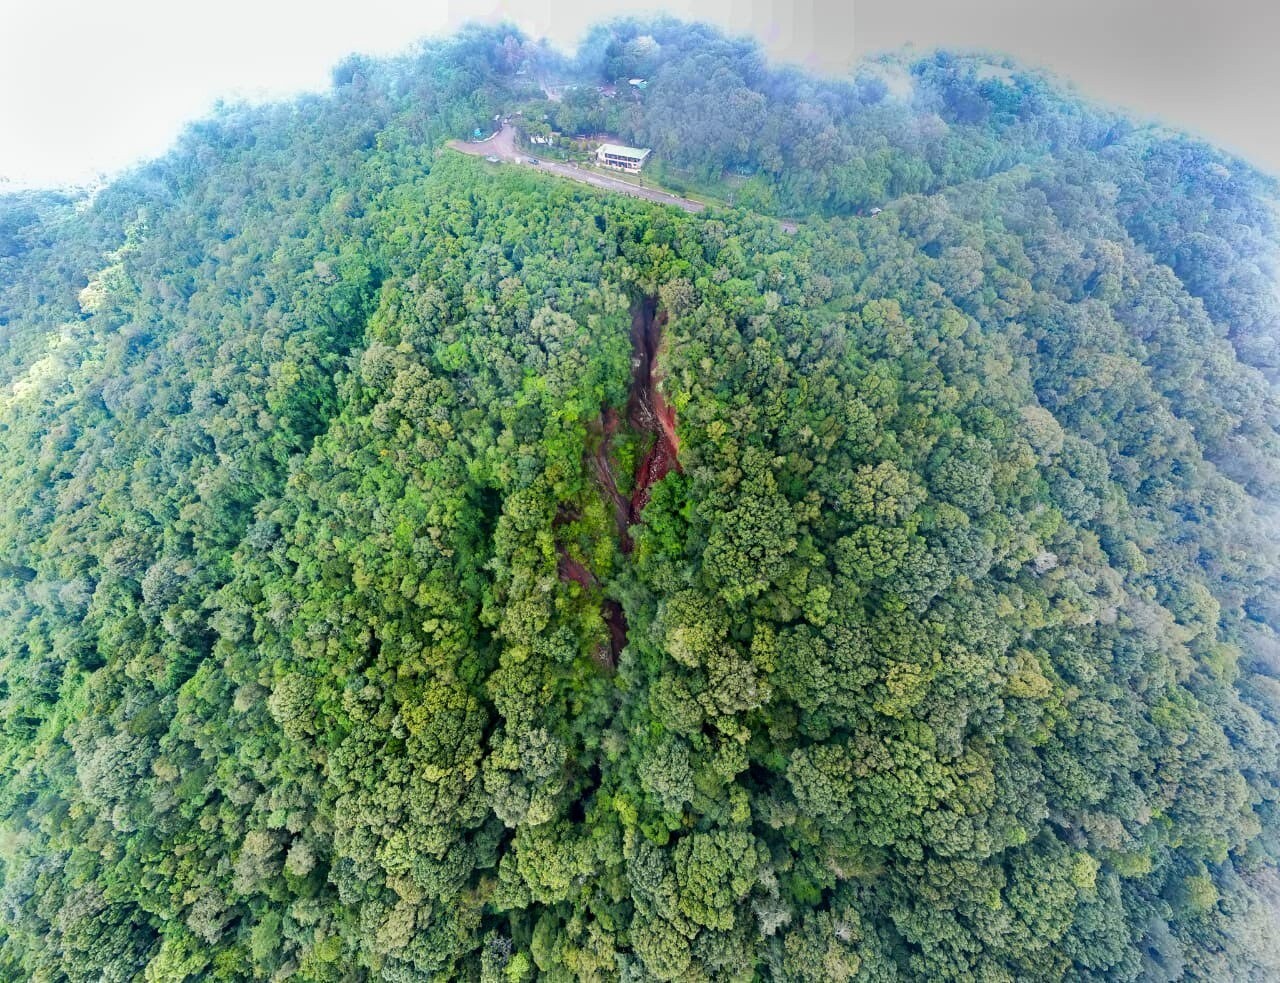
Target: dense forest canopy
{"x": 419, "y": 569}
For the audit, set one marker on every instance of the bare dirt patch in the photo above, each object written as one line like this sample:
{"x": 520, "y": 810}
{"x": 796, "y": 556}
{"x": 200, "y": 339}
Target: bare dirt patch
{"x": 650, "y": 416}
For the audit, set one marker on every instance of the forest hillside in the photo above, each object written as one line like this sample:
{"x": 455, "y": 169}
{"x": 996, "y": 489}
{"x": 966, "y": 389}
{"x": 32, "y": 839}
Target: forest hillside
{"x": 414, "y": 567}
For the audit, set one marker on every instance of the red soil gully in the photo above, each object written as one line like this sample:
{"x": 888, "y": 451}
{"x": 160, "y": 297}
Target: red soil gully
{"x": 606, "y": 427}
{"x": 647, "y": 413}
{"x": 572, "y": 570}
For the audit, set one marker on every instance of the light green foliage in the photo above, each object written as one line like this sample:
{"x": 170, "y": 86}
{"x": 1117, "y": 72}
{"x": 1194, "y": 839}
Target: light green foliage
{"x": 714, "y": 872}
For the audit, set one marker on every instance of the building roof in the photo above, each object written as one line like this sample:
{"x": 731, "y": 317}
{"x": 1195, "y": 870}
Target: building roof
{"x": 618, "y": 150}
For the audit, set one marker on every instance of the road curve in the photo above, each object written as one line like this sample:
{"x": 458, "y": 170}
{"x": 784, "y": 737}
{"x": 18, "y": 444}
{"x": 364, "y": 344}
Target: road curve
{"x": 503, "y": 146}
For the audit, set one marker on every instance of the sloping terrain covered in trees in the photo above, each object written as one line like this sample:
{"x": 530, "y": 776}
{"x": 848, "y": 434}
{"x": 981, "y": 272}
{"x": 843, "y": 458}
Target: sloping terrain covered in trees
{"x": 416, "y": 570}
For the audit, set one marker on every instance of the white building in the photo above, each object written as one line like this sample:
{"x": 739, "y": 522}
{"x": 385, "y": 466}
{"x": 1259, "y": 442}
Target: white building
{"x": 623, "y": 158}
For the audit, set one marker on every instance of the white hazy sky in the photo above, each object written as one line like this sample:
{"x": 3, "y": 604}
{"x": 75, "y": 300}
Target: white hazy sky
{"x": 90, "y": 86}
{"x": 93, "y": 86}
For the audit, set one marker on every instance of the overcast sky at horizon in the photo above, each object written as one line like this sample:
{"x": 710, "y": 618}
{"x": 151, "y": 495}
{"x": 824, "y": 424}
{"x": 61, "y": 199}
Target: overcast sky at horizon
{"x": 88, "y": 89}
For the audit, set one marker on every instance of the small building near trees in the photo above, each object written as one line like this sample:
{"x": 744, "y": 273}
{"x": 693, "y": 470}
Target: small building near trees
{"x": 622, "y": 157}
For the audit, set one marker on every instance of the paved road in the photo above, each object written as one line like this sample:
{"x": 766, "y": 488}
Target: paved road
{"x": 503, "y": 146}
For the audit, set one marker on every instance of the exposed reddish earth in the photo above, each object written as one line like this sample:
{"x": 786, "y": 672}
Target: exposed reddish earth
{"x": 571, "y": 569}
{"x": 647, "y": 411}
{"x": 605, "y": 427}
{"x": 617, "y": 622}
{"x": 647, "y": 414}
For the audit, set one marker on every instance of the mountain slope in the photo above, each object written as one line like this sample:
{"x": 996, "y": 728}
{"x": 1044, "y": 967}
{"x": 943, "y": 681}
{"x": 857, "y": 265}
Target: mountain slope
{"x": 420, "y": 569}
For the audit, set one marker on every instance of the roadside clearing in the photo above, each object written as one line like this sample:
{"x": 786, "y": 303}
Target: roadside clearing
{"x": 503, "y": 146}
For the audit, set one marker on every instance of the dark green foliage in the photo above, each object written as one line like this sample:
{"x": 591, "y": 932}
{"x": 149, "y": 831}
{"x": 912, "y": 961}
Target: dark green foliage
{"x": 342, "y": 635}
